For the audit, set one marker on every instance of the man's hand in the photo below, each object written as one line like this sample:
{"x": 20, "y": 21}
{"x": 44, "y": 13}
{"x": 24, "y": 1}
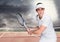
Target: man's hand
{"x": 30, "y": 31}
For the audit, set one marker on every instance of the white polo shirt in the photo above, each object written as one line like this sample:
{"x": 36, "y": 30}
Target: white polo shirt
{"x": 48, "y": 34}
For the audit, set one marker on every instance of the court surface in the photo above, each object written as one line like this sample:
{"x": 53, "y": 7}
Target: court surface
{"x": 20, "y": 37}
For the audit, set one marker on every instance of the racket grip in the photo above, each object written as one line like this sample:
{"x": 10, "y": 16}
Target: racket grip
{"x": 26, "y": 27}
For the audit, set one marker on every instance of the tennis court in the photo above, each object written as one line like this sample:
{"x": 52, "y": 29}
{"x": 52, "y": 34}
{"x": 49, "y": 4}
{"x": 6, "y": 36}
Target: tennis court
{"x": 20, "y": 37}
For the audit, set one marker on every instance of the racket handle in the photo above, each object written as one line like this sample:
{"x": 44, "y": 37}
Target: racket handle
{"x": 26, "y": 27}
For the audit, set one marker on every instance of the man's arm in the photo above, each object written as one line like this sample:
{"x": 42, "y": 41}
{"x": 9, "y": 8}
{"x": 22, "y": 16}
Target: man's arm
{"x": 34, "y": 28}
{"x": 38, "y": 31}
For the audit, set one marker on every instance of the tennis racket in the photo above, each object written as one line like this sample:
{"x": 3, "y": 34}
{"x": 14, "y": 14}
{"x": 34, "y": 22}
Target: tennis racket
{"x": 21, "y": 20}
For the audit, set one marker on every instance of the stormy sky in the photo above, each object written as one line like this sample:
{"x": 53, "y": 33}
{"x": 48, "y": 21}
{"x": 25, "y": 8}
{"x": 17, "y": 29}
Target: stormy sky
{"x": 57, "y": 5}
{"x": 14, "y": 5}
{"x": 9, "y": 8}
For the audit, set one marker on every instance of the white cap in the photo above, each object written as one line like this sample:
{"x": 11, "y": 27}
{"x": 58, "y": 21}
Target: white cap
{"x": 40, "y": 5}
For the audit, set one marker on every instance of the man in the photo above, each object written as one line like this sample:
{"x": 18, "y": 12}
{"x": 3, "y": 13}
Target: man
{"x": 45, "y": 28}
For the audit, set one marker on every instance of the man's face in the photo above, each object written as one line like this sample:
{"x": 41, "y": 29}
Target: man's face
{"x": 40, "y": 11}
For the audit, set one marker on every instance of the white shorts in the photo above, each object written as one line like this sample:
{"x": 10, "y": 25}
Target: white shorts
{"x": 48, "y": 40}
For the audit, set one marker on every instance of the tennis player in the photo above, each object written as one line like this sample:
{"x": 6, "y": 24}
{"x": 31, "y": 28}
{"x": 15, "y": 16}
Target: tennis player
{"x": 45, "y": 26}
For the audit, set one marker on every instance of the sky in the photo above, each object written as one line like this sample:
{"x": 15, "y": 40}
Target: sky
{"x": 9, "y": 9}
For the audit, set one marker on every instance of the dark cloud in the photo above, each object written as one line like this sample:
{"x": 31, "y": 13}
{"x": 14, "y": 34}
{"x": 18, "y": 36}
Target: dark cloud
{"x": 57, "y": 4}
{"x": 8, "y": 9}
{"x": 14, "y": 5}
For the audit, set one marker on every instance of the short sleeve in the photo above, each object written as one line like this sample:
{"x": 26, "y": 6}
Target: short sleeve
{"x": 46, "y": 21}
